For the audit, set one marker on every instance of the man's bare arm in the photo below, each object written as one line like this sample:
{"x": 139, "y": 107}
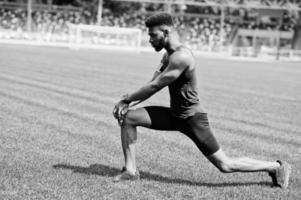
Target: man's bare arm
{"x": 178, "y": 62}
{"x": 156, "y": 74}
{"x": 122, "y": 107}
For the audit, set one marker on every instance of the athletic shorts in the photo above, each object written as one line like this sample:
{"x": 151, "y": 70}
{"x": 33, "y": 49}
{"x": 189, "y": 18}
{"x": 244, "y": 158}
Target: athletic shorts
{"x": 195, "y": 127}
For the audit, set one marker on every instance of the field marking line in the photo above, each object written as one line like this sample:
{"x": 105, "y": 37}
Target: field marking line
{"x": 251, "y": 92}
{"x": 62, "y": 110}
{"x": 61, "y": 89}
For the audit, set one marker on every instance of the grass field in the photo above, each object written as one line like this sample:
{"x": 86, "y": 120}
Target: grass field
{"x": 58, "y": 139}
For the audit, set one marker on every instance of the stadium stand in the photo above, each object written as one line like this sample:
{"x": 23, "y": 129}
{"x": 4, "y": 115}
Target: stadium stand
{"x": 202, "y": 33}
{"x": 199, "y": 26}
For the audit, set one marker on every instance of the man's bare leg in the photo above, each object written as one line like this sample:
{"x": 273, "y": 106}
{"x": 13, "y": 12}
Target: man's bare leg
{"x": 278, "y": 170}
{"x": 134, "y": 118}
{"x": 242, "y": 164}
{"x": 128, "y": 140}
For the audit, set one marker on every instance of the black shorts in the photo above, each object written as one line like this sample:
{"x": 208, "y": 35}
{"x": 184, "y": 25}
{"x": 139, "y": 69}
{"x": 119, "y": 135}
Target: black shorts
{"x": 195, "y": 127}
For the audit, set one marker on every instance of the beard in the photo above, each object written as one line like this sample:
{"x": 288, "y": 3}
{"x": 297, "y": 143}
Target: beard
{"x": 158, "y": 46}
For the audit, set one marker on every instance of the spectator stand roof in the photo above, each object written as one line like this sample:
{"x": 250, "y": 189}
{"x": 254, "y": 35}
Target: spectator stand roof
{"x": 16, "y": 5}
{"x": 257, "y": 4}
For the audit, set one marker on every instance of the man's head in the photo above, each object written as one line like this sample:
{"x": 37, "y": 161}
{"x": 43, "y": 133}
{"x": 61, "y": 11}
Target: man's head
{"x": 159, "y": 27}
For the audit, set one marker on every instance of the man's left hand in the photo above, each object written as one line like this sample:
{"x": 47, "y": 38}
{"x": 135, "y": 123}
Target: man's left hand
{"x": 120, "y": 110}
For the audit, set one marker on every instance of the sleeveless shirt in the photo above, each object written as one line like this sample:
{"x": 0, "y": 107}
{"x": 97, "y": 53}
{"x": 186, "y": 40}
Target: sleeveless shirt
{"x": 184, "y": 100}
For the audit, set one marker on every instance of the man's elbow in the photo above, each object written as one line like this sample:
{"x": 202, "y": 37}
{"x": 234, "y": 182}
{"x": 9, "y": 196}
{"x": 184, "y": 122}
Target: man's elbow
{"x": 155, "y": 87}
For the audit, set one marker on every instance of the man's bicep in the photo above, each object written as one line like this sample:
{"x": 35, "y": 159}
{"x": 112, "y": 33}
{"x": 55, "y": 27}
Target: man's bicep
{"x": 178, "y": 62}
{"x": 172, "y": 71}
{"x": 170, "y": 74}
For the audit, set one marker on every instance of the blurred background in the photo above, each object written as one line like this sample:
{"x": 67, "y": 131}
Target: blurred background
{"x": 269, "y": 29}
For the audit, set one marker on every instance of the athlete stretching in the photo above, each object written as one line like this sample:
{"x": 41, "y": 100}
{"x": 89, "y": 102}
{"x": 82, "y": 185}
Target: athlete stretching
{"x": 177, "y": 71}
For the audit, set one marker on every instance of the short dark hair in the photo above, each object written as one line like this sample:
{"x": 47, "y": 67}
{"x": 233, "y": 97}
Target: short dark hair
{"x": 158, "y": 20}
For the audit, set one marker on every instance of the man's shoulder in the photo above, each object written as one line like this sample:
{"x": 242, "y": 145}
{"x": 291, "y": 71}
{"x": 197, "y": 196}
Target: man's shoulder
{"x": 182, "y": 56}
{"x": 185, "y": 50}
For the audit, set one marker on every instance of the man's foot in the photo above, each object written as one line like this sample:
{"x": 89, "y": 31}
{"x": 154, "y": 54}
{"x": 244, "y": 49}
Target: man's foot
{"x": 281, "y": 176}
{"x": 126, "y": 176}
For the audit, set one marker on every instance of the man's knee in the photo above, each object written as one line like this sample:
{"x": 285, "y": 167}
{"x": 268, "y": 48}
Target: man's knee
{"x": 129, "y": 118}
{"x": 137, "y": 117}
{"x": 132, "y": 118}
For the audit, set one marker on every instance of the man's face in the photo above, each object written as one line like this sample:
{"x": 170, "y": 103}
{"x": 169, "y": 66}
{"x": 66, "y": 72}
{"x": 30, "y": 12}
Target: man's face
{"x": 156, "y": 38}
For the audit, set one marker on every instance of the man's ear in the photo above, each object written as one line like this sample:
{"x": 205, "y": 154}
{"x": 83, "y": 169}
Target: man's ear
{"x": 166, "y": 32}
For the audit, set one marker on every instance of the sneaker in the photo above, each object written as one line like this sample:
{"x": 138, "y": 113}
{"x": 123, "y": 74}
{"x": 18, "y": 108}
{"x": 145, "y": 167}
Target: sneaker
{"x": 280, "y": 178}
{"x": 126, "y": 176}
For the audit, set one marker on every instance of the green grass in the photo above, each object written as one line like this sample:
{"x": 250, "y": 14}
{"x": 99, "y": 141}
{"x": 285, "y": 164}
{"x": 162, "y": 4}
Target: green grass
{"x": 58, "y": 139}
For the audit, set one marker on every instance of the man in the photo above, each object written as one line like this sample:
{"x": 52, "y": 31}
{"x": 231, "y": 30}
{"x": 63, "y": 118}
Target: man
{"x": 177, "y": 71}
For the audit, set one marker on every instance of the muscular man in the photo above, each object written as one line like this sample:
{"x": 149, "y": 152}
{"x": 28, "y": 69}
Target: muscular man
{"x": 178, "y": 71}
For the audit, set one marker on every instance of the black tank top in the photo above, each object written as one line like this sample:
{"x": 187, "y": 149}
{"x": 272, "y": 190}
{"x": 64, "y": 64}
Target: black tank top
{"x": 184, "y": 100}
